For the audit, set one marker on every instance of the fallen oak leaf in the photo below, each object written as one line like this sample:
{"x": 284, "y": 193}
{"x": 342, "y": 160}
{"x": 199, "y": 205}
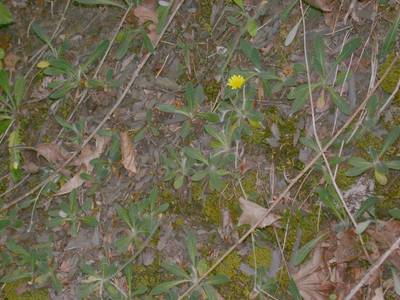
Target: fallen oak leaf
{"x": 147, "y": 12}
{"x": 128, "y": 154}
{"x": 84, "y": 159}
{"x": 324, "y": 5}
{"x": 312, "y": 277}
{"x": 53, "y": 153}
{"x": 252, "y": 212}
{"x": 73, "y": 183}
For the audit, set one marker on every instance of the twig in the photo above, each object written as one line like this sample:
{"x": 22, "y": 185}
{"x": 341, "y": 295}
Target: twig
{"x": 290, "y": 185}
{"x": 103, "y": 121}
{"x": 372, "y": 270}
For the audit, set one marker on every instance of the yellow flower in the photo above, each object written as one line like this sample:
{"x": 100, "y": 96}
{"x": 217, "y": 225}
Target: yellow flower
{"x": 236, "y": 82}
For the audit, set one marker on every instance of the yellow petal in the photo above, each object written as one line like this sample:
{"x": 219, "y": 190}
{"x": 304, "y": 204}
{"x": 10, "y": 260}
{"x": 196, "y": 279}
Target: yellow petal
{"x": 43, "y": 64}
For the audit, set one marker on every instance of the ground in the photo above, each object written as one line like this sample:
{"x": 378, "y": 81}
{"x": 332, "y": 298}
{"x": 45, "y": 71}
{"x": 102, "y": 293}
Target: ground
{"x": 130, "y": 166}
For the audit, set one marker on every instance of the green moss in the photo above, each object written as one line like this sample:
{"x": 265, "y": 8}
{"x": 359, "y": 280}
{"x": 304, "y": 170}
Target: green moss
{"x": 11, "y": 292}
{"x": 204, "y": 16}
{"x": 211, "y": 89}
{"x": 149, "y": 276}
{"x": 30, "y": 125}
{"x": 286, "y": 155}
{"x": 263, "y": 257}
{"x": 240, "y": 284}
{"x": 344, "y": 182}
{"x": 388, "y": 196}
{"x": 390, "y": 81}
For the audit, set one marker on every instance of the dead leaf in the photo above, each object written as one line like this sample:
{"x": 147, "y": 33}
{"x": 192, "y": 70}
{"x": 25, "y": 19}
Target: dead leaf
{"x": 324, "y": 5}
{"x": 312, "y": 278}
{"x": 53, "y": 153}
{"x": 128, "y": 154}
{"x": 147, "y": 12}
{"x": 227, "y": 230}
{"x": 385, "y": 234}
{"x": 10, "y": 62}
{"x": 252, "y": 212}
{"x": 73, "y": 183}
{"x": 378, "y": 294}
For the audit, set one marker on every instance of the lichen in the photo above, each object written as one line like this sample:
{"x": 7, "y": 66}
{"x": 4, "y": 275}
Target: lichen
{"x": 11, "y": 292}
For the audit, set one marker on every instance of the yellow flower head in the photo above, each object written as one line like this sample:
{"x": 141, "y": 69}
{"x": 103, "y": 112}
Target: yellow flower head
{"x": 236, "y": 82}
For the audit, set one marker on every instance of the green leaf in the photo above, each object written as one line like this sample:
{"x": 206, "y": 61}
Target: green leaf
{"x": 293, "y": 290}
{"x": 4, "y": 85}
{"x": 175, "y": 270}
{"x": 210, "y": 292}
{"x": 369, "y": 203}
{"x": 250, "y": 52}
{"x": 191, "y": 247}
{"x": 195, "y": 154}
{"x": 319, "y": 55}
{"x": 42, "y": 35}
{"x": 348, "y": 49}
{"x": 100, "y": 2}
{"x": 393, "y": 164}
{"x": 239, "y": 3}
{"x": 19, "y": 90}
{"x": 63, "y": 123}
{"x": 292, "y": 34}
{"x": 395, "y": 213}
{"x": 355, "y": 171}
{"x": 5, "y": 15}
{"x": 360, "y": 165}
{"x": 218, "y": 279}
{"x": 162, "y": 16}
{"x": 97, "y": 53}
{"x": 15, "y": 275}
{"x": 178, "y": 182}
{"x": 362, "y": 226}
{"x": 90, "y": 221}
{"x": 390, "y": 39}
{"x": 390, "y": 139}
{"x": 4, "y": 224}
{"x": 251, "y": 27}
{"x": 147, "y": 43}
{"x": 123, "y": 214}
{"x": 199, "y": 175}
{"x": 63, "y": 90}
{"x": 340, "y": 102}
{"x": 165, "y": 286}
{"x": 396, "y": 281}
{"x": 302, "y": 253}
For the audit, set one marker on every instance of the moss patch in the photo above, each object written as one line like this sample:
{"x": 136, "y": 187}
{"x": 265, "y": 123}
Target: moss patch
{"x": 239, "y": 286}
{"x": 11, "y": 292}
{"x": 390, "y": 81}
{"x": 263, "y": 257}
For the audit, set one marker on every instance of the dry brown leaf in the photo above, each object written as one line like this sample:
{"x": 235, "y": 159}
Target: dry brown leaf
{"x": 227, "y": 230}
{"x": 252, "y": 212}
{"x": 378, "y": 294}
{"x": 53, "y": 153}
{"x": 147, "y": 12}
{"x": 324, "y": 5}
{"x": 88, "y": 154}
{"x": 10, "y": 62}
{"x": 385, "y": 234}
{"x": 73, "y": 183}
{"x": 312, "y": 278}
{"x": 128, "y": 154}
